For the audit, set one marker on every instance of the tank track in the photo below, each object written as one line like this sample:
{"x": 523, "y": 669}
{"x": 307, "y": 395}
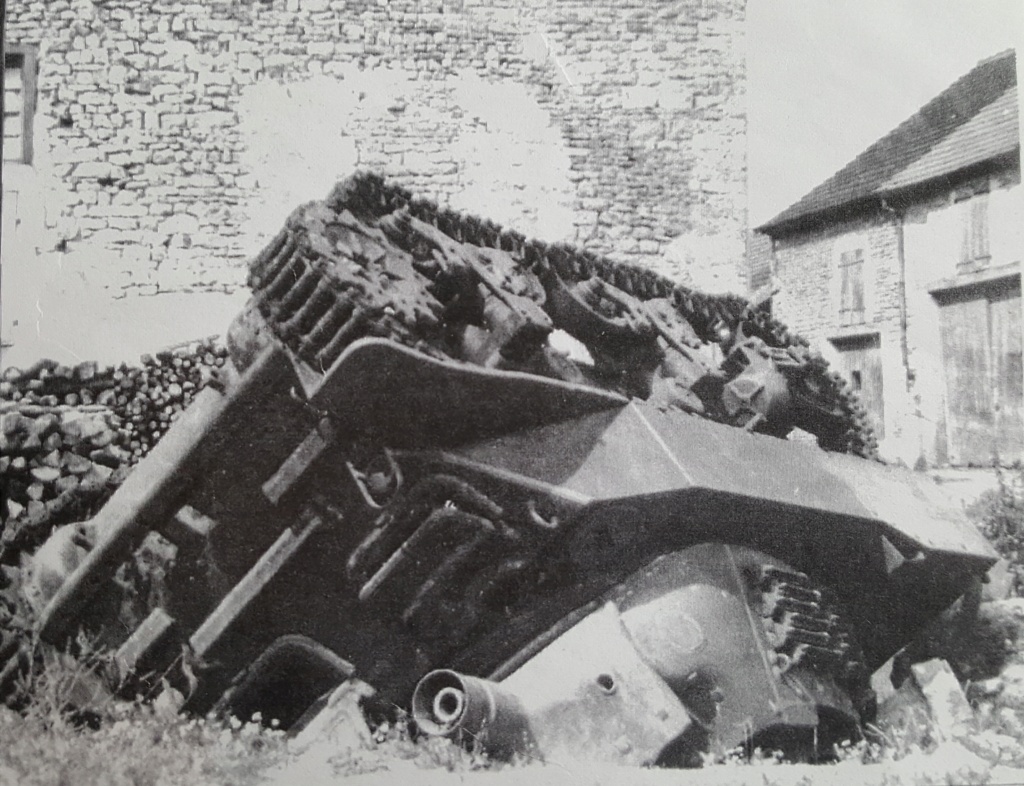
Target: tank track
{"x": 326, "y": 280}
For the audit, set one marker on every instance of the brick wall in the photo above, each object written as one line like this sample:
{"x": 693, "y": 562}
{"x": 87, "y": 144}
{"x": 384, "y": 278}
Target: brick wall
{"x": 173, "y": 137}
{"x": 760, "y": 263}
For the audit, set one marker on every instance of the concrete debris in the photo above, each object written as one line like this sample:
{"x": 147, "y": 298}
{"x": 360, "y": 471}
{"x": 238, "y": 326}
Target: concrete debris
{"x": 948, "y": 706}
{"x": 999, "y": 582}
{"x": 930, "y": 706}
{"x": 338, "y": 732}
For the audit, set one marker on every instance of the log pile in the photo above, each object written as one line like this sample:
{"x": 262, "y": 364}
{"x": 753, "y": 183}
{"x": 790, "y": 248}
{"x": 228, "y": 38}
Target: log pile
{"x": 48, "y": 451}
{"x": 149, "y": 397}
{"x": 69, "y": 434}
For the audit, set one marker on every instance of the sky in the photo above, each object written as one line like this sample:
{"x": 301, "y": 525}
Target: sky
{"x": 827, "y": 78}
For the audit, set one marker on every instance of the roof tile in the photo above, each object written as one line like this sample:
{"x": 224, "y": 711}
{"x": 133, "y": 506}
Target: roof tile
{"x": 975, "y": 115}
{"x": 993, "y": 132}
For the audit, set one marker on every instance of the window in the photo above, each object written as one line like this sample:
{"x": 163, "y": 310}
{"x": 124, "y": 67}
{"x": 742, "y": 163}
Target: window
{"x": 974, "y": 251}
{"x": 19, "y": 104}
{"x": 851, "y": 287}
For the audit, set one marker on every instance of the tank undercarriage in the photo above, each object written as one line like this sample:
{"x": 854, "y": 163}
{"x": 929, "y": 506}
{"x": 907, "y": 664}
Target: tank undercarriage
{"x": 538, "y": 498}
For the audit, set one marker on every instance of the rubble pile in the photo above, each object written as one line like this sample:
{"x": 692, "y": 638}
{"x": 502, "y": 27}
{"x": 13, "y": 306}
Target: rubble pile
{"x": 69, "y": 434}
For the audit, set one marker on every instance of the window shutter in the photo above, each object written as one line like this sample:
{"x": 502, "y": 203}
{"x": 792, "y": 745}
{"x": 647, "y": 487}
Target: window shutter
{"x": 851, "y": 289}
{"x": 19, "y": 102}
{"x": 974, "y": 249}
{"x": 14, "y": 107}
{"x": 979, "y": 227}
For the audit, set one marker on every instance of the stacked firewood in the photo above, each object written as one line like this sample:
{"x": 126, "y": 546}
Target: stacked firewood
{"x": 47, "y": 451}
{"x": 57, "y": 465}
{"x": 150, "y": 397}
{"x": 67, "y": 433}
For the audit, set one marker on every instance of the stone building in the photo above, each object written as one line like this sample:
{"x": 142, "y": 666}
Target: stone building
{"x": 156, "y": 145}
{"x": 904, "y": 268}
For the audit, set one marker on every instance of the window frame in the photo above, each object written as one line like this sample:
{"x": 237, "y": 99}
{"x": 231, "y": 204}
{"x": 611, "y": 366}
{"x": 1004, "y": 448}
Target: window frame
{"x": 852, "y": 259}
{"x": 975, "y": 229}
{"x": 26, "y": 57}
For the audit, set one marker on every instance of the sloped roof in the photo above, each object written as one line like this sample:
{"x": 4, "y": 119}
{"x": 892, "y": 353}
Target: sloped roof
{"x": 992, "y": 132}
{"x": 973, "y": 120}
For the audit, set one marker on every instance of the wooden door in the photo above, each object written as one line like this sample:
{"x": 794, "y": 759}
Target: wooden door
{"x": 860, "y": 361}
{"x": 981, "y": 355}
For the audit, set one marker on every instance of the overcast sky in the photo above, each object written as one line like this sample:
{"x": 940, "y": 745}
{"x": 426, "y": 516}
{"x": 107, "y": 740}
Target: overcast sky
{"x": 827, "y": 78}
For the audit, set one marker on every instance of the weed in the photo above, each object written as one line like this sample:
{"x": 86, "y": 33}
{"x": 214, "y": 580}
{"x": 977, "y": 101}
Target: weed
{"x": 999, "y": 514}
{"x": 72, "y": 730}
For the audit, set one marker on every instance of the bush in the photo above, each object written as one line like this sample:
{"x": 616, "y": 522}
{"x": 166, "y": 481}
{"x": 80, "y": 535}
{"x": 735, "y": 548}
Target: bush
{"x": 999, "y": 514}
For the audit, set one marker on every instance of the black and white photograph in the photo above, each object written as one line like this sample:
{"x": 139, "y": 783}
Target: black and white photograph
{"x": 505, "y": 392}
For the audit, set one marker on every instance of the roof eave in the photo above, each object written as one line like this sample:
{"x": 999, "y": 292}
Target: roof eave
{"x": 864, "y": 205}
{"x": 819, "y": 219}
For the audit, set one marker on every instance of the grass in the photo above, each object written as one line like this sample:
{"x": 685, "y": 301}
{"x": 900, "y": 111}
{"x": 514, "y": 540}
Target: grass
{"x": 53, "y": 743}
{"x": 71, "y": 731}
{"x": 137, "y": 747}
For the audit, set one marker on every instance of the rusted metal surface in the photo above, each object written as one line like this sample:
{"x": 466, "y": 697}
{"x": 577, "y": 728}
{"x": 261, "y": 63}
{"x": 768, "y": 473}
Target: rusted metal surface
{"x": 285, "y": 681}
{"x": 698, "y": 648}
{"x": 154, "y": 491}
{"x": 152, "y": 633}
{"x": 248, "y": 589}
{"x": 371, "y": 260}
{"x": 381, "y": 388}
{"x": 483, "y": 555}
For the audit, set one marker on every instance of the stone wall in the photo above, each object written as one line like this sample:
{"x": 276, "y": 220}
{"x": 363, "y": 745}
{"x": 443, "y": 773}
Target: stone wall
{"x": 933, "y": 239}
{"x": 806, "y": 273}
{"x": 808, "y": 298}
{"x": 172, "y": 138}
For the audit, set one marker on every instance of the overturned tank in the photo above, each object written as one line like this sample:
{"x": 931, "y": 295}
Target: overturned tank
{"x": 541, "y": 500}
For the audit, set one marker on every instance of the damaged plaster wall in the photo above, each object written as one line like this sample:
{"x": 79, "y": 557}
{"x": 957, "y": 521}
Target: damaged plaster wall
{"x": 172, "y": 139}
{"x": 481, "y": 147}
